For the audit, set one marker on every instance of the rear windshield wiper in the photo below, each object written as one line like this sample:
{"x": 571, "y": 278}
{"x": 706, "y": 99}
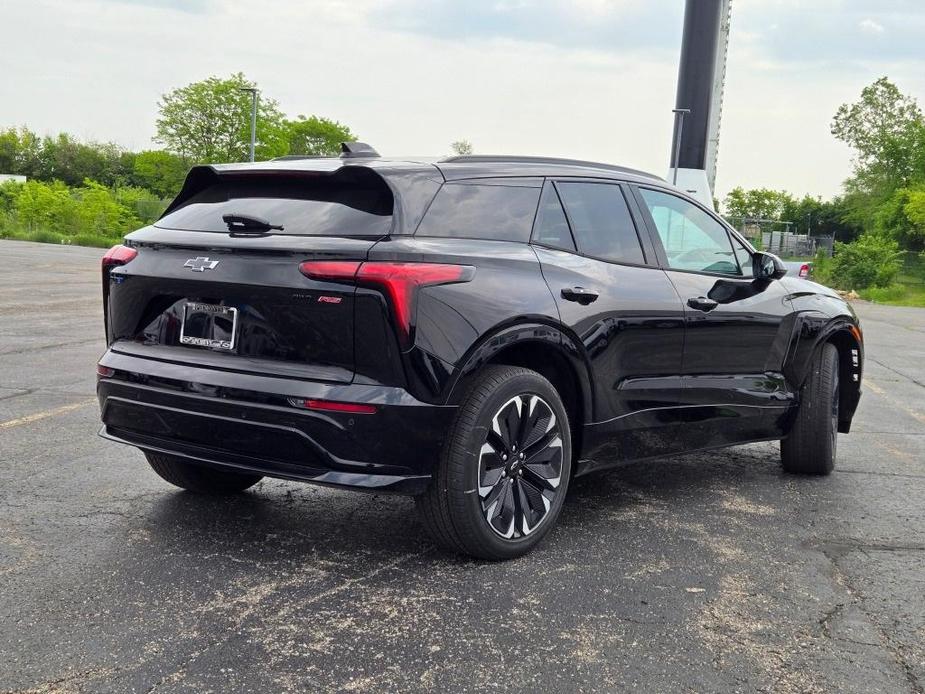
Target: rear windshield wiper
{"x": 248, "y": 224}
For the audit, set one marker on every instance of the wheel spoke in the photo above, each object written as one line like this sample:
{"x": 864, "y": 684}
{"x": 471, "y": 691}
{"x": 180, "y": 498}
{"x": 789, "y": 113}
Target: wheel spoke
{"x": 532, "y": 505}
{"x": 545, "y": 466}
{"x": 506, "y": 424}
{"x": 540, "y": 421}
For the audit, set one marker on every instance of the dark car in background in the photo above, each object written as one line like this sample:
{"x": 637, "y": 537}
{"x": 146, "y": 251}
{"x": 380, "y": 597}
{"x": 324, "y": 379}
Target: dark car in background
{"x": 474, "y": 332}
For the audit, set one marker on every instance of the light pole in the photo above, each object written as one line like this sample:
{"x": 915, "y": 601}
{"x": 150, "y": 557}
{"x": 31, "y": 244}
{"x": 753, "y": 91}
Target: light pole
{"x": 253, "y": 91}
{"x": 679, "y": 114}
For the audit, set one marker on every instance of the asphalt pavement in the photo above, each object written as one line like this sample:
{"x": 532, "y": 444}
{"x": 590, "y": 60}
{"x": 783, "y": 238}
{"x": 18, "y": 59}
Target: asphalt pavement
{"x": 706, "y": 572}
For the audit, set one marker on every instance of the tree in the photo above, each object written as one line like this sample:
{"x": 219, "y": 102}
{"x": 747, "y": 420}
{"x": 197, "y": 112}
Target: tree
{"x": 160, "y": 172}
{"x": 20, "y": 152}
{"x": 902, "y": 217}
{"x": 757, "y": 203}
{"x": 209, "y": 122}
{"x": 461, "y": 147}
{"x": 316, "y": 136}
{"x": 887, "y": 132}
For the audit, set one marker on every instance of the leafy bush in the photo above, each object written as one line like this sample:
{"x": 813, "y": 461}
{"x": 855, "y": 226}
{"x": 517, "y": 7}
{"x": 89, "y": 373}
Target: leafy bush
{"x": 822, "y": 267}
{"x": 871, "y": 261}
{"x": 92, "y": 214}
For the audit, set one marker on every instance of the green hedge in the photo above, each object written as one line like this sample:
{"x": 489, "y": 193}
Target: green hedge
{"x": 88, "y": 215}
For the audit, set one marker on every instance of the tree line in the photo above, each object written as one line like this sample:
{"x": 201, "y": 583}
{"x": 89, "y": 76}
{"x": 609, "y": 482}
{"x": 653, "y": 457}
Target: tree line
{"x": 879, "y": 219}
{"x": 92, "y": 193}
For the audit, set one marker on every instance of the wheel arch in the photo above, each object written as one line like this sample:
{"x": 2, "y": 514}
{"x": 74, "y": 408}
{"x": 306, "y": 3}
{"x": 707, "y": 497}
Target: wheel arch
{"x": 850, "y": 365}
{"x": 543, "y": 348}
{"x": 814, "y": 331}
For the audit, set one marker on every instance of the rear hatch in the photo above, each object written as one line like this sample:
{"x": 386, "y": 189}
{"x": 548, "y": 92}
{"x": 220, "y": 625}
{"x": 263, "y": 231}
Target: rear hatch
{"x": 216, "y": 281}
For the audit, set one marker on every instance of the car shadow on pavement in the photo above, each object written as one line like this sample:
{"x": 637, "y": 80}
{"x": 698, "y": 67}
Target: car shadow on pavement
{"x": 279, "y": 521}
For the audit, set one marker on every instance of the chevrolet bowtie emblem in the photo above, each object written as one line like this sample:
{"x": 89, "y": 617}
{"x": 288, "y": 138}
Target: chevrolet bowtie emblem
{"x": 200, "y": 264}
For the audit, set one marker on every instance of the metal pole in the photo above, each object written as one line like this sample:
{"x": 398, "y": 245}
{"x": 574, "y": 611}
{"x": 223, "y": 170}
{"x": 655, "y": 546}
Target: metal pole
{"x": 679, "y": 114}
{"x": 253, "y": 122}
{"x": 253, "y": 91}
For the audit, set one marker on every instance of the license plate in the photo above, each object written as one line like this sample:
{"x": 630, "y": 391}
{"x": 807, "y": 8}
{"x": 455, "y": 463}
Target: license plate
{"x": 208, "y": 325}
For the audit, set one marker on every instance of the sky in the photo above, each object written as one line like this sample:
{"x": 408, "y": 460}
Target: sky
{"x": 590, "y": 79}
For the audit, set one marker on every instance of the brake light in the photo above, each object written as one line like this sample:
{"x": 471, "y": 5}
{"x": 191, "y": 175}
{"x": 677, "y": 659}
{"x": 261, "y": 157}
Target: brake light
{"x": 343, "y": 270}
{"x": 104, "y": 371}
{"x": 118, "y": 255}
{"x": 400, "y": 281}
{"x": 804, "y": 270}
{"x": 333, "y": 406}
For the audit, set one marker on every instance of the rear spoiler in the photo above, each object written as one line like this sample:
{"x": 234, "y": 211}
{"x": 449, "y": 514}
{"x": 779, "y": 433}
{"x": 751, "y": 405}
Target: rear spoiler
{"x": 412, "y": 185}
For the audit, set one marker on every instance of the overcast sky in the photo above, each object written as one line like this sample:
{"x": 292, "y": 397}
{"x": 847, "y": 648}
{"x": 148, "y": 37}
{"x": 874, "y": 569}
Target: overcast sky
{"x": 592, "y": 79}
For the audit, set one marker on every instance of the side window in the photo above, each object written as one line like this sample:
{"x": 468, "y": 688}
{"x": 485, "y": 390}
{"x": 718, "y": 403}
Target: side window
{"x": 483, "y": 210}
{"x": 693, "y": 240}
{"x": 551, "y": 225}
{"x": 601, "y": 221}
{"x": 743, "y": 256}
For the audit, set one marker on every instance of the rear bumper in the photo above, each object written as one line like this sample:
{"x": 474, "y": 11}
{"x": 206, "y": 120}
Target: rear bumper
{"x": 245, "y": 422}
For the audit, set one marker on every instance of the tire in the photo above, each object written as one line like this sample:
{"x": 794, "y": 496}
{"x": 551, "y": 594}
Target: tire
{"x": 200, "y": 478}
{"x": 487, "y": 498}
{"x": 810, "y": 447}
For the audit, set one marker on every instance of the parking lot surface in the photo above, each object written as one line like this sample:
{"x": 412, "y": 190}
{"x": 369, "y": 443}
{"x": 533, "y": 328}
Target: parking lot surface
{"x": 707, "y": 572}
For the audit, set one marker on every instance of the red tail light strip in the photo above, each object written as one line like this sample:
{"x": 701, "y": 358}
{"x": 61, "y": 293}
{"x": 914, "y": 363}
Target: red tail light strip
{"x": 333, "y": 406}
{"x": 400, "y": 281}
{"x": 343, "y": 270}
{"x": 118, "y": 255}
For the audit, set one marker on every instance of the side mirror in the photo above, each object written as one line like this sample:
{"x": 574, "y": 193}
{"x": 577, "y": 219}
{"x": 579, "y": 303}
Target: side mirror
{"x": 767, "y": 266}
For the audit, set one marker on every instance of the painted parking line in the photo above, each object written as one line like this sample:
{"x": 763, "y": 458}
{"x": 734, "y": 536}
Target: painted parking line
{"x": 29, "y": 418}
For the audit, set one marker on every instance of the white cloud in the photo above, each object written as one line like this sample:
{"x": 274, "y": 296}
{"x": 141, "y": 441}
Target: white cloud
{"x": 869, "y": 26}
{"x": 102, "y": 65}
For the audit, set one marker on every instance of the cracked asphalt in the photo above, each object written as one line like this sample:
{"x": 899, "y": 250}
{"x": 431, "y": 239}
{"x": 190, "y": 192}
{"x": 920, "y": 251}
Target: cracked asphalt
{"x": 707, "y": 572}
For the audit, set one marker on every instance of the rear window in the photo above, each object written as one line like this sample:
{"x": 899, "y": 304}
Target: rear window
{"x": 356, "y": 203}
{"x": 601, "y": 221}
{"x": 497, "y": 209}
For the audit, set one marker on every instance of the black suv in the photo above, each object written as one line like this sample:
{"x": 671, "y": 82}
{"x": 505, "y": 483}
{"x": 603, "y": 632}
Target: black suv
{"x": 473, "y": 332}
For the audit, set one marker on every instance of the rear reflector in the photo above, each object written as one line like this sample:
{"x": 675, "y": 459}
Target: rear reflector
{"x": 400, "y": 281}
{"x": 118, "y": 255}
{"x": 333, "y": 406}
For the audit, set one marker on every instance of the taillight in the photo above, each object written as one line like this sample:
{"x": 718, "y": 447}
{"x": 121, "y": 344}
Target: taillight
{"x": 333, "y": 406}
{"x": 400, "y": 281}
{"x": 343, "y": 270}
{"x": 114, "y": 257}
{"x": 118, "y": 255}
{"x": 104, "y": 371}
{"x": 804, "y": 270}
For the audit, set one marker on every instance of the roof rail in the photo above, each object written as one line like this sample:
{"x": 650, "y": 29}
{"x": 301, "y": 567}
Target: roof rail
{"x": 518, "y": 159}
{"x": 293, "y": 157}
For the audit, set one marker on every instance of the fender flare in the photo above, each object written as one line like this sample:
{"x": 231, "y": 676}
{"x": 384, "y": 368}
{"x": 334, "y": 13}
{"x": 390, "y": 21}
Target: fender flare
{"x": 814, "y": 329}
{"x": 522, "y": 332}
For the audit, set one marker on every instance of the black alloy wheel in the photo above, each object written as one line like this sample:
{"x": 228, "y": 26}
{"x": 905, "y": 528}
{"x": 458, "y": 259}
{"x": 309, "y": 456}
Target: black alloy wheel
{"x": 520, "y": 466}
{"x": 505, "y": 469}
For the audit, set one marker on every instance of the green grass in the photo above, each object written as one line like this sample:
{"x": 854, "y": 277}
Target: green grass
{"x": 45, "y": 236}
{"x": 896, "y": 295}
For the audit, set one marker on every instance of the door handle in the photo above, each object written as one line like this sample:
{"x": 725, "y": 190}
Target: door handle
{"x": 580, "y": 294}
{"x": 702, "y": 303}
